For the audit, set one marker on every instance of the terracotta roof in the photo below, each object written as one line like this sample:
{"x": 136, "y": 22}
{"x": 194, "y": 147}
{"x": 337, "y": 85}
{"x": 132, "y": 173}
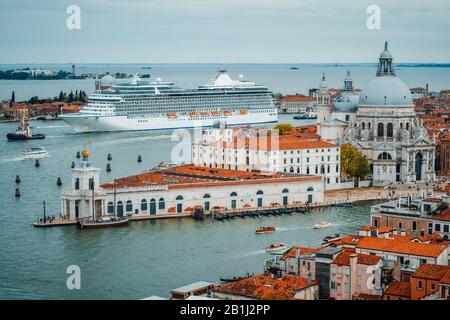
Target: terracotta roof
{"x": 284, "y": 142}
{"x": 442, "y": 216}
{"x": 431, "y": 272}
{"x": 365, "y": 296}
{"x": 395, "y": 245}
{"x": 344, "y": 259}
{"x": 190, "y": 176}
{"x": 399, "y": 289}
{"x": 293, "y": 251}
{"x": 298, "y": 98}
{"x": 265, "y": 287}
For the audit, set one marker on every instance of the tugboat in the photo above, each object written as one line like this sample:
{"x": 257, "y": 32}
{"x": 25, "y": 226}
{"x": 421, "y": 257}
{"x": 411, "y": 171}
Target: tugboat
{"x": 23, "y": 132}
{"x": 263, "y": 230}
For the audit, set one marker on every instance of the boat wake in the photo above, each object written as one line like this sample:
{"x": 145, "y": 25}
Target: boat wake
{"x": 51, "y": 127}
{"x": 15, "y": 159}
{"x": 131, "y": 140}
{"x": 251, "y": 253}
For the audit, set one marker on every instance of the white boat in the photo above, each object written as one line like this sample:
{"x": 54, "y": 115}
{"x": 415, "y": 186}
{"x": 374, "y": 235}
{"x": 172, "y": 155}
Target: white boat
{"x": 143, "y": 104}
{"x": 323, "y": 225}
{"x": 35, "y": 153}
{"x": 276, "y": 247}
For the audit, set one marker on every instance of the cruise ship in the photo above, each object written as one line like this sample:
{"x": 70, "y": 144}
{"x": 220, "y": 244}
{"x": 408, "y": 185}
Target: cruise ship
{"x": 152, "y": 104}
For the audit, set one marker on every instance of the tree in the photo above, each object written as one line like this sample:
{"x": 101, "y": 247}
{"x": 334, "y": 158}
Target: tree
{"x": 61, "y": 96}
{"x": 283, "y": 128}
{"x": 353, "y": 163}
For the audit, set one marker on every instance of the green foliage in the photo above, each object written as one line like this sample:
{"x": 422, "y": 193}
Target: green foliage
{"x": 353, "y": 163}
{"x": 283, "y": 128}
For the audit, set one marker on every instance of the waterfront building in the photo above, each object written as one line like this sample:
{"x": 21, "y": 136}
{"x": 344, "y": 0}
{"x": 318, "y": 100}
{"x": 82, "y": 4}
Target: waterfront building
{"x": 177, "y": 191}
{"x": 388, "y": 132}
{"x": 199, "y": 289}
{"x": 265, "y": 287}
{"x": 264, "y": 150}
{"x": 298, "y": 103}
{"x": 417, "y": 217}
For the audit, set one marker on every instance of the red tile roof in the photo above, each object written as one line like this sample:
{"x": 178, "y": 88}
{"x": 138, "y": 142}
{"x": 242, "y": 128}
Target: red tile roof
{"x": 344, "y": 259}
{"x": 267, "y": 288}
{"x": 431, "y": 272}
{"x": 293, "y": 251}
{"x": 398, "y": 244}
{"x": 190, "y": 176}
{"x": 399, "y": 289}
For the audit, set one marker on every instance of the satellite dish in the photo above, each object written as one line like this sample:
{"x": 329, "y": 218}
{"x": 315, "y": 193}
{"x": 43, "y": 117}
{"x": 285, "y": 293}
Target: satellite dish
{"x": 158, "y": 79}
{"x": 241, "y": 76}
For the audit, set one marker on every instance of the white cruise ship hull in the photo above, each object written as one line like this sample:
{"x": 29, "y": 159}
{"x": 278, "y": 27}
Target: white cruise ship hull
{"x": 92, "y": 123}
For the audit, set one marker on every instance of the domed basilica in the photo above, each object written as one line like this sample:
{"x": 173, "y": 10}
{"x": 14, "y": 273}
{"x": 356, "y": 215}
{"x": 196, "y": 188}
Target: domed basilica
{"x": 388, "y": 132}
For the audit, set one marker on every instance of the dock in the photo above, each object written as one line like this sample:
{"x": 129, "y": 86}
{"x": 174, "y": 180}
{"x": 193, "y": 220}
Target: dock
{"x": 58, "y": 222}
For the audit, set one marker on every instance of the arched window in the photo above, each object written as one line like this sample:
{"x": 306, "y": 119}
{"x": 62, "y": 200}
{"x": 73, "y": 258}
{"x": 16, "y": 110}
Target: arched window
{"x": 119, "y": 209}
{"x": 368, "y": 125}
{"x": 310, "y": 189}
{"x": 384, "y": 156}
{"x": 162, "y": 204}
{"x": 179, "y": 198}
{"x": 259, "y": 192}
{"x": 381, "y": 130}
{"x": 291, "y": 170}
{"x": 110, "y": 207}
{"x": 390, "y": 130}
{"x": 407, "y": 126}
{"x": 152, "y": 206}
{"x": 363, "y": 125}
{"x": 285, "y": 191}
{"x": 77, "y": 184}
{"x": 206, "y": 196}
{"x": 259, "y": 200}
{"x": 322, "y": 169}
{"x": 233, "y": 194}
{"x": 129, "y": 206}
{"x": 143, "y": 205}
{"x": 401, "y": 125}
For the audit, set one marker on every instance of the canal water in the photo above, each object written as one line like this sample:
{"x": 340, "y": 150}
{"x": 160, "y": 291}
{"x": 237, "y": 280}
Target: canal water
{"x": 148, "y": 257}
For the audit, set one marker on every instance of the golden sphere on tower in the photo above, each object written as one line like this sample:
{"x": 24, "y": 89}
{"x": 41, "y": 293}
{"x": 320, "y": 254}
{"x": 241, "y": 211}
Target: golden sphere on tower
{"x": 85, "y": 153}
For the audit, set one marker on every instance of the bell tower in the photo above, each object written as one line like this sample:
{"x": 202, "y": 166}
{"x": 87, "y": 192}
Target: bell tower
{"x": 323, "y": 101}
{"x": 385, "y": 65}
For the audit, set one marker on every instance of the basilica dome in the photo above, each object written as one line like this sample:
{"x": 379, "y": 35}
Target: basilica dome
{"x": 346, "y": 102}
{"x": 386, "y": 90}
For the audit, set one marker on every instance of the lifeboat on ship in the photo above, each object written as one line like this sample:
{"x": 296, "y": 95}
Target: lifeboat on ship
{"x": 215, "y": 113}
{"x": 171, "y": 115}
{"x": 193, "y": 114}
{"x": 227, "y": 113}
{"x": 204, "y": 113}
{"x": 243, "y": 112}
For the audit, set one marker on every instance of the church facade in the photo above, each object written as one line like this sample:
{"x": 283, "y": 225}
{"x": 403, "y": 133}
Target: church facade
{"x": 388, "y": 132}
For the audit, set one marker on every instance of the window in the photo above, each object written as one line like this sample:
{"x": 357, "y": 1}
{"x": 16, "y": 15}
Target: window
{"x": 384, "y": 156}
{"x": 129, "y": 206}
{"x": 390, "y": 130}
{"x": 77, "y": 184}
{"x": 414, "y": 225}
{"x": 91, "y": 183}
{"x": 333, "y": 285}
{"x": 446, "y": 228}
{"x": 380, "y": 130}
{"x": 143, "y": 205}
{"x": 179, "y": 198}
{"x": 419, "y": 285}
{"x": 162, "y": 204}
{"x": 437, "y": 227}
{"x": 233, "y": 194}
{"x": 433, "y": 287}
{"x": 110, "y": 207}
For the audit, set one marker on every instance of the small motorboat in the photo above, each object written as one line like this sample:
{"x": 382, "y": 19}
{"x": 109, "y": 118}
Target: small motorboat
{"x": 346, "y": 204}
{"x": 103, "y": 223}
{"x": 323, "y": 225}
{"x": 24, "y": 132}
{"x": 239, "y": 278}
{"x": 263, "y": 230}
{"x": 276, "y": 247}
{"x": 332, "y": 238}
{"x": 35, "y": 153}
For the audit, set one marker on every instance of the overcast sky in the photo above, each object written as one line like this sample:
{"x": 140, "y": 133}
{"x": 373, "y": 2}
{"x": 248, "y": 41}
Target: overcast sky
{"x": 226, "y": 31}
